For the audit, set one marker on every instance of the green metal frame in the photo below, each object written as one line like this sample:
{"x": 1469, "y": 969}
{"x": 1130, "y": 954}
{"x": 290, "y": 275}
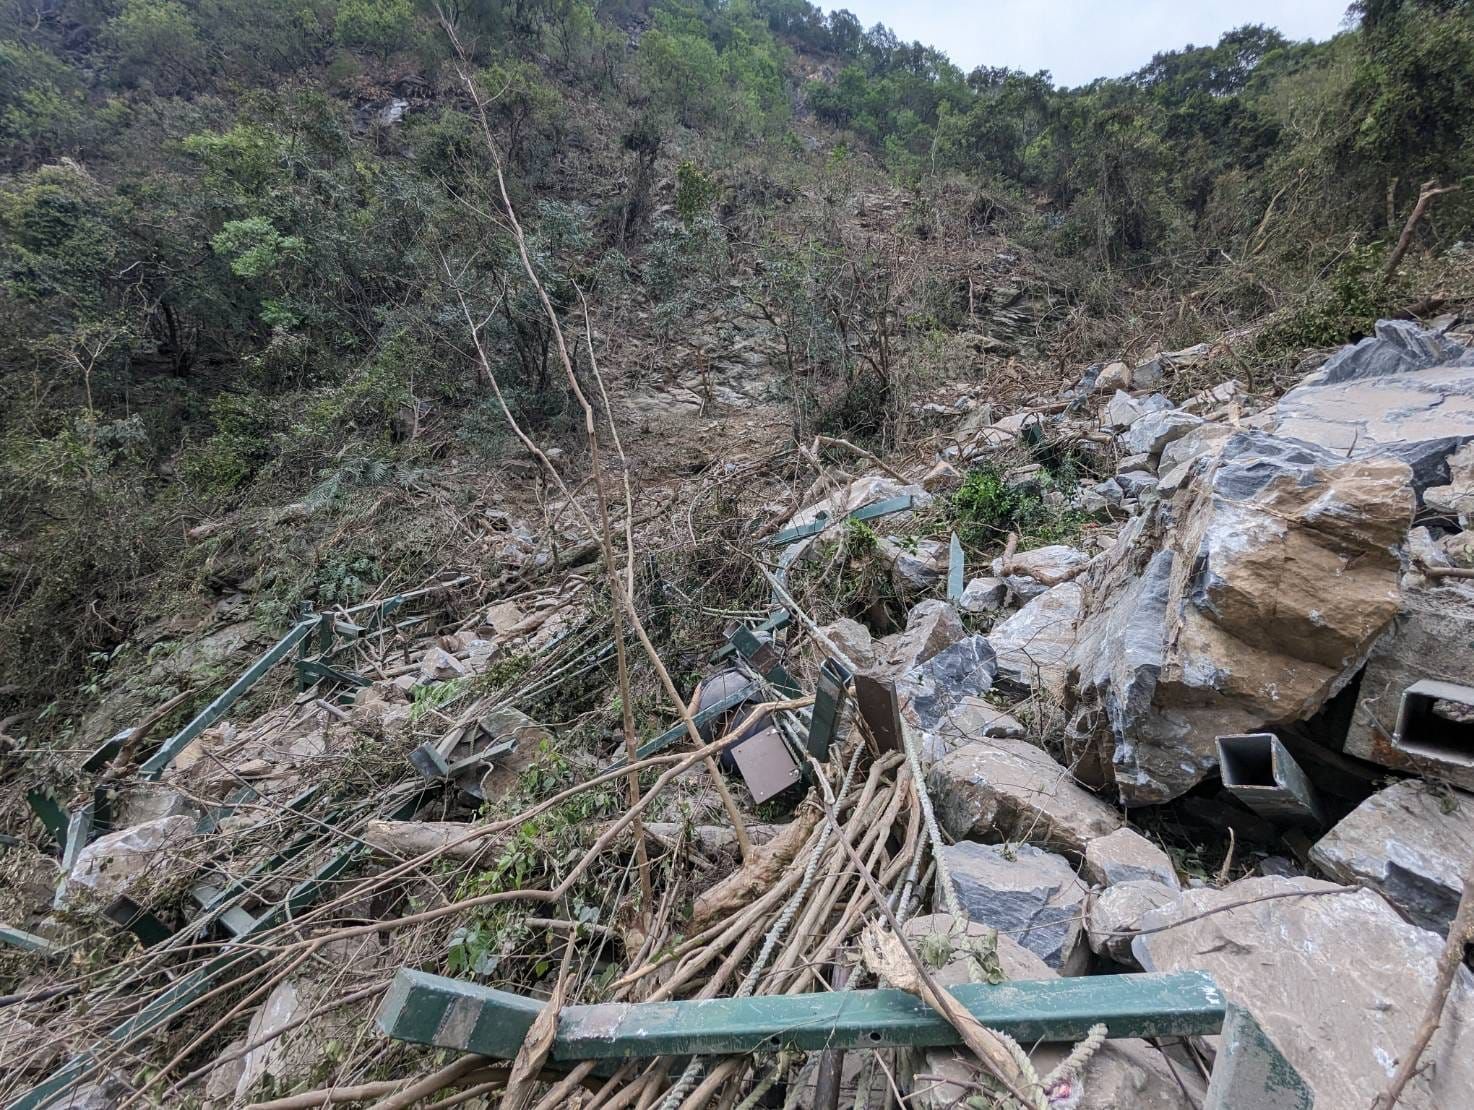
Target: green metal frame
{"x": 1251, "y": 1074}
{"x": 29, "y": 942}
{"x": 704, "y": 717}
{"x": 956, "y": 569}
{"x": 830, "y": 694}
{"x": 764, "y": 659}
{"x": 866, "y": 512}
{"x": 775, "y": 620}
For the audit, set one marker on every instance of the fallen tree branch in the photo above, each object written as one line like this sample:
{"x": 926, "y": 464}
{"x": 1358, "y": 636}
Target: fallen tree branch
{"x": 1429, "y": 190}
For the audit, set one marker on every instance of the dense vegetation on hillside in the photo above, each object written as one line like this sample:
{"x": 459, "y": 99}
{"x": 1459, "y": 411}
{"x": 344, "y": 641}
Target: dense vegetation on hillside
{"x": 239, "y": 240}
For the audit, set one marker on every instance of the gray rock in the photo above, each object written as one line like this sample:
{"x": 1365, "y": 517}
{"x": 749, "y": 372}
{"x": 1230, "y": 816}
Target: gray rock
{"x": 1050, "y": 565}
{"x": 1125, "y": 856}
{"x": 983, "y": 595}
{"x": 1000, "y": 789}
{"x": 1136, "y": 483}
{"x": 1409, "y": 842}
{"x": 1128, "y": 463}
{"x": 1397, "y": 347}
{"x": 125, "y": 861}
{"x": 1031, "y": 895}
{"x": 930, "y": 626}
{"x": 1155, "y": 430}
{"x": 1431, "y": 637}
{"x": 1404, "y": 393}
{"x": 142, "y": 802}
{"x": 931, "y": 691}
{"x": 1204, "y": 441}
{"x": 1109, "y": 491}
{"x": 1339, "y": 983}
{"x": 1023, "y": 589}
{"x": 511, "y": 724}
{"x": 1033, "y": 645}
{"x": 1456, "y": 498}
{"x": 1114, "y": 912}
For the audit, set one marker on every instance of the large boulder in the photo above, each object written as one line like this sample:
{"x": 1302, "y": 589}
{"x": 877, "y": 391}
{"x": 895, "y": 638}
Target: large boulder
{"x": 931, "y": 626}
{"x": 1033, "y": 645}
{"x": 1411, "y": 843}
{"x": 936, "y": 694}
{"x": 1030, "y": 895}
{"x": 1432, "y": 636}
{"x": 1338, "y": 982}
{"x": 1404, "y": 392}
{"x": 1245, "y": 601}
{"x": 1001, "y": 789}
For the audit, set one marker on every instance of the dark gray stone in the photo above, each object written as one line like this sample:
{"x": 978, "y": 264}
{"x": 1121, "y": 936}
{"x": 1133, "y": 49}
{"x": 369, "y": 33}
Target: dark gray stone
{"x": 1031, "y": 895}
{"x": 939, "y": 685}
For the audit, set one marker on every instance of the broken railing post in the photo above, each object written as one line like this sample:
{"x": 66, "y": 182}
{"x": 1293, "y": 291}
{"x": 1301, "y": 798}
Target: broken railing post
{"x": 830, "y": 694}
{"x": 956, "y": 570}
{"x": 1435, "y": 730}
{"x": 1258, "y": 771}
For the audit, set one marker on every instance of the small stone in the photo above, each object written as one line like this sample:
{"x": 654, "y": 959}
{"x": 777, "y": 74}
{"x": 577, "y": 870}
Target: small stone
{"x": 1050, "y": 565}
{"x": 439, "y": 665}
{"x": 852, "y": 638}
{"x": 1124, "y": 856}
{"x": 1115, "y": 375}
{"x": 1115, "y": 911}
{"x": 983, "y": 595}
{"x": 915, "y": 569}
{"x": 1154, "y": 431}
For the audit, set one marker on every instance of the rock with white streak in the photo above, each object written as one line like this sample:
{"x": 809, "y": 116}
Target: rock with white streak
{"x": 1029, "y": 894}
{"x": 1245, "y": 602}
{"x": 1033, "y": 645}
{"x": 1339, "y": 983}
{"x": 1002, "y": 789}
{"x": 1411, "y": 843}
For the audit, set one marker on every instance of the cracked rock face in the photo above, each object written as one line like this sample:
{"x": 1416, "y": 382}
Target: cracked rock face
{"x": 1404, "y": 392}
{"x": 1031, "y": 895}
{"x": 1411, "y": 844}
{"x": 1245, "y": 601}
{"x": 1339, "y": 982}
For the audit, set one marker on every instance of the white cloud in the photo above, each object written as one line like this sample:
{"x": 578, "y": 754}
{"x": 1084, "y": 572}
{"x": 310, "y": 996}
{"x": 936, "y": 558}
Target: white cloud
{"x": 1080, "y": 40}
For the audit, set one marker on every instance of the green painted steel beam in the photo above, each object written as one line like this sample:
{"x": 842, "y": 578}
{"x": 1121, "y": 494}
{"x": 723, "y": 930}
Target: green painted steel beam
{"x": 867, "y": 512}
{"x": 775, "y": 620}
{"x": 676, "y": 732}
{"x": 449, "y": 1013}
{"x": 29, "y": 942}
{"x": 830, "y": 694}
{"x": 159, "y": 762}
{"x": 764, "y": 658}
{"x": 312, "y": 671}
{"x": 51, "y": 813}
{"x": 956, "y": 570}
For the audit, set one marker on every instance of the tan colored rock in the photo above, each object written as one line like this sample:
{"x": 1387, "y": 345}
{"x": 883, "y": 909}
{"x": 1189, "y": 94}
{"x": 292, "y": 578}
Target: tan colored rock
{"x": 931, "y": 626}
{"x": 1009, "y": 790}
{"x": 1125, "y": 855}
{"x": 1244, "y": 602}
{"x": 1114, "y": 912}
{"x": 1049, "y": 566}
{"x": 852, "y": 638}
{"x": 1338, "y": 982}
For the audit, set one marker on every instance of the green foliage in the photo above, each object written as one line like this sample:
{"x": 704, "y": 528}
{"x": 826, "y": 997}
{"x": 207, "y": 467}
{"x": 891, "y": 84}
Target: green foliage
{"x": 696, "y": 192}
{"x": 380, "y": 26}
{"x": 156, "y": 41}
{"x": 241, "y": 445}
{"x": 986, "y": 508}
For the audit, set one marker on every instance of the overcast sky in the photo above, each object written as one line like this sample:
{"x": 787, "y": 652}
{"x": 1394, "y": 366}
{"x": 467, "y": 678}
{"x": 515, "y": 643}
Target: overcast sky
{"x": 1080, "y": 40}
